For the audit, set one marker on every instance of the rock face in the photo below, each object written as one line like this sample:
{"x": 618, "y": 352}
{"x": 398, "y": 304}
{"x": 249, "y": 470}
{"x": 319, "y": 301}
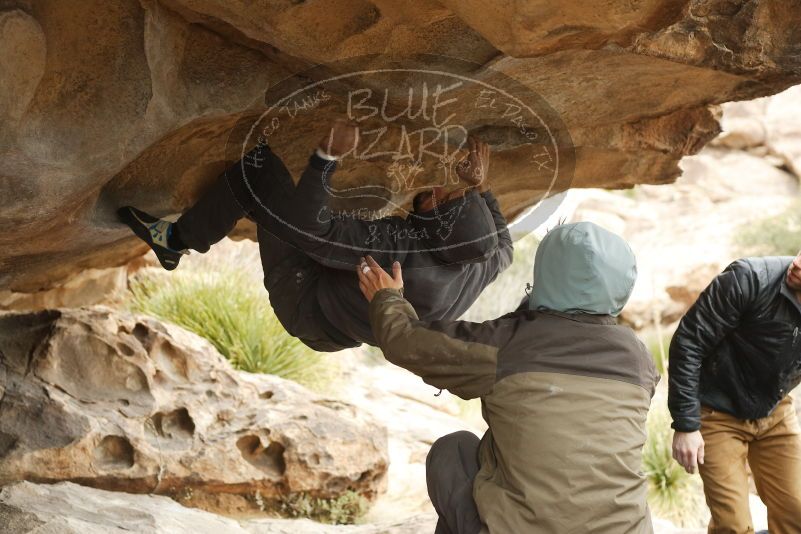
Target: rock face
{"x": 124, "y": 402}
{"x": 415, "y": 419}
{"x": 685, "y": 234}
{"x": 87, "y": 287}
{"x": 66, "y": 508}
{"x": 766, "y": 126}
{"x": 70, "y": 509}
{"x": 111, "y": 102}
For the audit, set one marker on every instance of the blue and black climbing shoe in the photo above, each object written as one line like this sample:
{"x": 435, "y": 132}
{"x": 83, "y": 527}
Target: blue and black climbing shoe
{"x": 155, "y": 232}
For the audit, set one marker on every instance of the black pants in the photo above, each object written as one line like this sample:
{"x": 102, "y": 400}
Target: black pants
{"x": 451, "y": 467}
{"x": 290, "y": 276}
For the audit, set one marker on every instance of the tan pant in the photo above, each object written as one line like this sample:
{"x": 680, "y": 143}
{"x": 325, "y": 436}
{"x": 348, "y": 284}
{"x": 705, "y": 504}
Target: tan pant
{"x": 772, "y": 446}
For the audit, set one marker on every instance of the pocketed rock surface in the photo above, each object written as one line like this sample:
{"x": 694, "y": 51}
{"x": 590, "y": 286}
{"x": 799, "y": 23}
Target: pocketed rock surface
{"x": 126, "y": 403}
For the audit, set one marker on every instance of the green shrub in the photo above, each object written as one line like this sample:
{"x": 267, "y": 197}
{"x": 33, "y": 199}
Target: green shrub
{"x": 234, "y": 314}
{"x": 772, "y": 236}
{"x": 658, "y": 344}
{"x": 673, "y": 494}
{"x": 342, "y": 510}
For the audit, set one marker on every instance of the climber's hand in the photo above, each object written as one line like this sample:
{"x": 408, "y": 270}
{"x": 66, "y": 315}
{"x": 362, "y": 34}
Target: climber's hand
{"x": 474, "y": 167}
{"x": 341, "y": 139}
{"x": 373, "y": 278}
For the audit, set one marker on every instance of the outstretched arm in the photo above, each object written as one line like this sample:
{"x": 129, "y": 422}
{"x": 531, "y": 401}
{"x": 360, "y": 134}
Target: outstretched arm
{"x": 481, "y": 235}
{"x": 459, "y": 356}
{"x": 339, "y": 241}
{"x": 334, "y": 239}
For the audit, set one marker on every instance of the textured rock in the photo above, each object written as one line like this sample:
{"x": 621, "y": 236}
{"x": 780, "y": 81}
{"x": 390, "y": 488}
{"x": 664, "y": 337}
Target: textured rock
{"x": 783, "y": 125}
{"x": 72, "y": 509}
{"x": 125, "y": 402}
{"x": 106, "y": 102}
{"x": 66, "y": 508}
{"x": 87, "y": 287}
{"x": 685, "y": 234}
{"x": 415, "y": 418}
{"x": 414, "y": 524}
{"x": 770, "y": 125}
{"x": 91, "y": 286}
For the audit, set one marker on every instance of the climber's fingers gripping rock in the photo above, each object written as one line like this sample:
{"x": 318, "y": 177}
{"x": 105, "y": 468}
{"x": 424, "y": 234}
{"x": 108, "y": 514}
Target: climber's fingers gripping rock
{"x": 473, "y": 169}
{"x": 341, "y": 139}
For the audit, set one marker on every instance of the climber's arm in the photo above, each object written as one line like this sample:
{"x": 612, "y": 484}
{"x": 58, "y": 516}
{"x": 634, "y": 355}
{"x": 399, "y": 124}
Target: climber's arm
{"x": 339, "y": 239}
{"x": 458, "y": 229}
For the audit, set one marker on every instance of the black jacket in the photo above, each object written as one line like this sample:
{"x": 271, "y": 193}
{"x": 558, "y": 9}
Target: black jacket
{"x": 448, "y": 257}
{"x": 737, "y": 350}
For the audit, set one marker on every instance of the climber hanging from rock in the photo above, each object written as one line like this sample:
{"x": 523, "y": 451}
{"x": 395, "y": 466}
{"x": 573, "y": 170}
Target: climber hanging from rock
{"x": 565, "y": 392}
{"x": 308, "y": 259}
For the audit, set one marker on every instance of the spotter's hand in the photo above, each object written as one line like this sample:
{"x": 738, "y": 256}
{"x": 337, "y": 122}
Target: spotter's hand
{"x": 373, "y": 278}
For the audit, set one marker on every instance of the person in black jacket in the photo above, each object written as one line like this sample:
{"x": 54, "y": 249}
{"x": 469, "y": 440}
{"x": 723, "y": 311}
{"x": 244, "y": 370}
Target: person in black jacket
{"x": 452, "y": 246}
{"x": 733, "y": 360}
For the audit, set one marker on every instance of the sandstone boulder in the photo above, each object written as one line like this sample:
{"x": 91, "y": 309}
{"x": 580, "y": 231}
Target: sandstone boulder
{"x": 111, "y": 102}
{"x": 783, "y": 125}
{"x": 87, "y": 287}
{"x": 685, "y": 234}
{"x": 767, "y": 126}
{"x": 415, "y": 417}
{"x": 127, "y": 403}
{"x": 67, "y": 508}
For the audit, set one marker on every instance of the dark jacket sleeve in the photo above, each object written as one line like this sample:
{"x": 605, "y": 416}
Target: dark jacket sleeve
{"x": 715, "y": 314}
{"x": 459, "y": 356}
{"x": 504, "y": 253}
{"x": 485, "y": 272}
{"x": 340, "y": 242}
{"x": 463, "y": 231}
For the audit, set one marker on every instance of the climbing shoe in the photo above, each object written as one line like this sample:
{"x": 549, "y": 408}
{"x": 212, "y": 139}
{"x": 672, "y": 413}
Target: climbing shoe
{"x": 153, "y": 231}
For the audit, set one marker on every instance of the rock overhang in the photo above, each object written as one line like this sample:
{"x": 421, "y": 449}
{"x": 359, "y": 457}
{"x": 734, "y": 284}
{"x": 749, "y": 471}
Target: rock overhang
{"x": 135, "y": 102}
